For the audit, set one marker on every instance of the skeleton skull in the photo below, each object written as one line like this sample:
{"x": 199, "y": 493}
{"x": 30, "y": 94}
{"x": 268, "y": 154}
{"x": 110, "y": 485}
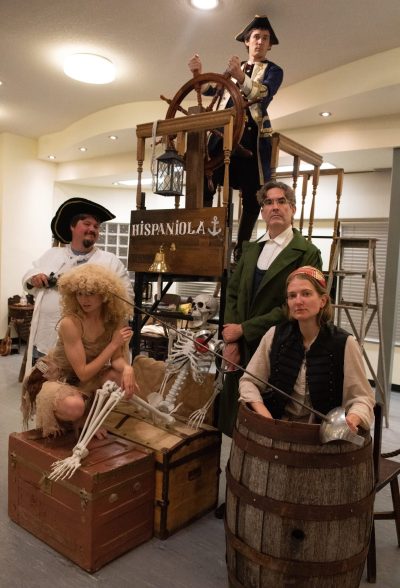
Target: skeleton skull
{"x": 204, "y": 308}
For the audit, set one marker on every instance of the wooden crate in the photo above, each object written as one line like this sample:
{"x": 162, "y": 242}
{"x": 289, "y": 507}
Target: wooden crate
{"x": 102, "y": 511}
{"x": 187, "y": 466}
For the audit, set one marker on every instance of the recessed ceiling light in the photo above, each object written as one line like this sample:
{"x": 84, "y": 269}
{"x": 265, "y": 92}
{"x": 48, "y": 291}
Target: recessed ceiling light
{"x": 113, "y": 137}
{"x": 205, "y": 4}
{"x": 51, "y": 156}
{"x": 83, "y": 149}
{"x": 325, "y": 114}
{"x": 1, "y": 83}
{"x": 88, "y": 68}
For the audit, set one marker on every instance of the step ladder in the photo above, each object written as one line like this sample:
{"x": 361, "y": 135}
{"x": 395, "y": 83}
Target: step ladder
{"x": 359, "y": 314}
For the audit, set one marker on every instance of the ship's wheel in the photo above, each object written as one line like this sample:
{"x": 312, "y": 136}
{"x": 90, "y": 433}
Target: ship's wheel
{"x": 209, "y": 104}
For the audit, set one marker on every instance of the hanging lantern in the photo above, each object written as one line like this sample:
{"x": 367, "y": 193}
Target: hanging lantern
{"x": 169, "y": 177}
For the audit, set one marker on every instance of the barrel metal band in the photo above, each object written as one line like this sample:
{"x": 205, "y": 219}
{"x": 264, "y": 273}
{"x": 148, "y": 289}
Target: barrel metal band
{"x": 295, "y": 568}
{"x": 281, "y": 430}
{"x": 301, "y": 511}
{"x": 276, "y": 429}
{"x": 302, "y": 459}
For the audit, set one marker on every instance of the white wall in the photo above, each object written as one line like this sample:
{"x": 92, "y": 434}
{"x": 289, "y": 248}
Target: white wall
{"x": 119, "y": 201}
{"x": 26, "y": 206}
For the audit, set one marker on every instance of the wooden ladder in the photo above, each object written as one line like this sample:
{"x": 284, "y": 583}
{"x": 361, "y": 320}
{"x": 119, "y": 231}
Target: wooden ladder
{"x": 366, "y": 310}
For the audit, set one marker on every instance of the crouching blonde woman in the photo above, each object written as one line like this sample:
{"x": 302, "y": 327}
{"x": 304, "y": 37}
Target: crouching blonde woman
{"x": 92, "y": 347}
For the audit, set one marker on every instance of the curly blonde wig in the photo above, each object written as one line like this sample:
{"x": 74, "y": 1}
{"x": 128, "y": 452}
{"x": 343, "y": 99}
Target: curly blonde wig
{"x": 94, "y": 279}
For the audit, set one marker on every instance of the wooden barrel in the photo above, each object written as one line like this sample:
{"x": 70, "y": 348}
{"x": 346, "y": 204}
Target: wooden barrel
{"x": 298, "y": 513}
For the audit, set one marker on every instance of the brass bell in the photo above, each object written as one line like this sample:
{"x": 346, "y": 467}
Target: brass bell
{"x": 159, "y": 265}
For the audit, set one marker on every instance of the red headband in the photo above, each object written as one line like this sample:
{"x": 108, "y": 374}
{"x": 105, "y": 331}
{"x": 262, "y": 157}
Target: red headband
{"x": 310, "y": 271}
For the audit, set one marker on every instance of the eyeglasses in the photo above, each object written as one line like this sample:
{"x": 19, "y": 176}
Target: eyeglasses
{"x": 277, "y": 201}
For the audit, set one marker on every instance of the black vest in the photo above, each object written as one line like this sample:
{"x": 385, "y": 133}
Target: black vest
{"x": 324, "y": 367}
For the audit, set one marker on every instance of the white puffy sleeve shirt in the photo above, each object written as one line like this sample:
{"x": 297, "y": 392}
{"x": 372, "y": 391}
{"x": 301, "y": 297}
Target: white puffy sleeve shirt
{"x": 358, "y": 397}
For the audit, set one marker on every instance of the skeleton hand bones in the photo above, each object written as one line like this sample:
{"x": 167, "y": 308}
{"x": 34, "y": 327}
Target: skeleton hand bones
{"x": 105, "y": 400}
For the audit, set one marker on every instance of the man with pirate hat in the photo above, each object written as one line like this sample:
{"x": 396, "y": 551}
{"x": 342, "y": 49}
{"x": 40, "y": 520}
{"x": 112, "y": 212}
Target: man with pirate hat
{"x": 258, "y": 79}
{"x": 75, "y": 224}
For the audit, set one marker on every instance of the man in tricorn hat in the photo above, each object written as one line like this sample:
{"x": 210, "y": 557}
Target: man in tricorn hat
{"x": 75, "y": 224}
{"x": 258, "y": 79}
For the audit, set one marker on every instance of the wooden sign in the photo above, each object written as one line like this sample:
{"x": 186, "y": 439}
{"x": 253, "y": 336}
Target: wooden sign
{"x": 193, "y": 241}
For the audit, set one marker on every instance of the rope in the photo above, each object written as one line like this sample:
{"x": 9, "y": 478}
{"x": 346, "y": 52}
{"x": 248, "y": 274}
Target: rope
{"x": 391, "y": 454}
{"x": 153, "y": 153}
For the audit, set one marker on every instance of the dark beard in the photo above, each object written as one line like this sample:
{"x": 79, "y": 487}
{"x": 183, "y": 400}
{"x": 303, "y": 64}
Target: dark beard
{"x": 88, "y": 243}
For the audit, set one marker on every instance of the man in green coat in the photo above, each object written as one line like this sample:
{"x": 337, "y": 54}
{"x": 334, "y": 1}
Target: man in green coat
{"x": 256, "y": 290}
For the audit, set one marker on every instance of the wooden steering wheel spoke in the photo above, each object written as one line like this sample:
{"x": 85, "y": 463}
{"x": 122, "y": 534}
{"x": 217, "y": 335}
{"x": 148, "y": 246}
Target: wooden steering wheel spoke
{"x": 199, "y": 96}
{"x": 213, "y": 102}
{"x": 222, "y": 83}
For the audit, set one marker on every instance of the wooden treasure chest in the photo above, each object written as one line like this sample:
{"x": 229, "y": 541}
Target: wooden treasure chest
{"x": 105, "y": 509}
{"x": 187, "y": 466}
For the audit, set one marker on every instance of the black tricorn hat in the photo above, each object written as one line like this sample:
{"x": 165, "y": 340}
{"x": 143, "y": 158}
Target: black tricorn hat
{"x": 258, "y": 22}
{"x": 61, "y": 222}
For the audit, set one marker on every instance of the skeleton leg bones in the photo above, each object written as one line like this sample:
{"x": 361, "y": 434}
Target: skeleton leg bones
{"x": 105, "y": 400}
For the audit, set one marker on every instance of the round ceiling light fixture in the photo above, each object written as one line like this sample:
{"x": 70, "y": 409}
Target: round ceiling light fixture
{"x": 89, "y": 68}
{"x": 205, "y": 4}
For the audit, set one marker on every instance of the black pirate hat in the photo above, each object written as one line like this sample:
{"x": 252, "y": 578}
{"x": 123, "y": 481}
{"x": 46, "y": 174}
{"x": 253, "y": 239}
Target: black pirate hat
{"x": 61, "y": 222}
{"x": 258, "y": 22}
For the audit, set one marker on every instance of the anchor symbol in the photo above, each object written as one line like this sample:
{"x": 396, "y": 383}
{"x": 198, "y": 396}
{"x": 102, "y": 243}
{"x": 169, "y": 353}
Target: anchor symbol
{"x": 214, "y": 232}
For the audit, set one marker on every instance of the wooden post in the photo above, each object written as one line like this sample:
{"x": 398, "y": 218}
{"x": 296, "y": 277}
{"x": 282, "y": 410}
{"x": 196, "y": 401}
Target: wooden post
{"x": 296, "y": 167}
{"x": 315, "y": 180}
{"x": 339, "y": 188}
{"x": 195, "y": 165}
{"x": 274, "y": 154}
{"x": 140, "y": 159}
{"x": 303, "y": 199}
{"x": 228, "y": 137}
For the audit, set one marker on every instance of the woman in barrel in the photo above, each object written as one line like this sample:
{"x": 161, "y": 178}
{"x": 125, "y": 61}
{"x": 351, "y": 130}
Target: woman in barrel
{"x": 92, "y": 348}
{"x": 310, "y": 359}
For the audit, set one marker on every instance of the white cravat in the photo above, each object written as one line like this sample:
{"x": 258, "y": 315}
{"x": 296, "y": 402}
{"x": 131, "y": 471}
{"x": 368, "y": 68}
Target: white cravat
{"x": 273, "y": 247}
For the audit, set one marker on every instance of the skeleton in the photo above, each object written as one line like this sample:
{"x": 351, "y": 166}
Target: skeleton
{"x": 204, "y": 308}
{"x": 105, "y": 400}
{"x": 197, "y": 417}
{"x": 188, "y": 355}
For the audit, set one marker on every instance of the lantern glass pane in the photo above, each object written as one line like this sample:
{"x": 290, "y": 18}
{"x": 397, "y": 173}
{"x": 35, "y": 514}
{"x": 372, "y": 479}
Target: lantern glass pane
{"x": 177, "y": 178}
{"x": 169, "y": 181}
{"x": 163, "y": 176}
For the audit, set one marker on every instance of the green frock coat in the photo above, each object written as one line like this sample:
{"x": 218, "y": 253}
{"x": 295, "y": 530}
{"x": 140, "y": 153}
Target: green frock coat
{"x": 257, "y": 313}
